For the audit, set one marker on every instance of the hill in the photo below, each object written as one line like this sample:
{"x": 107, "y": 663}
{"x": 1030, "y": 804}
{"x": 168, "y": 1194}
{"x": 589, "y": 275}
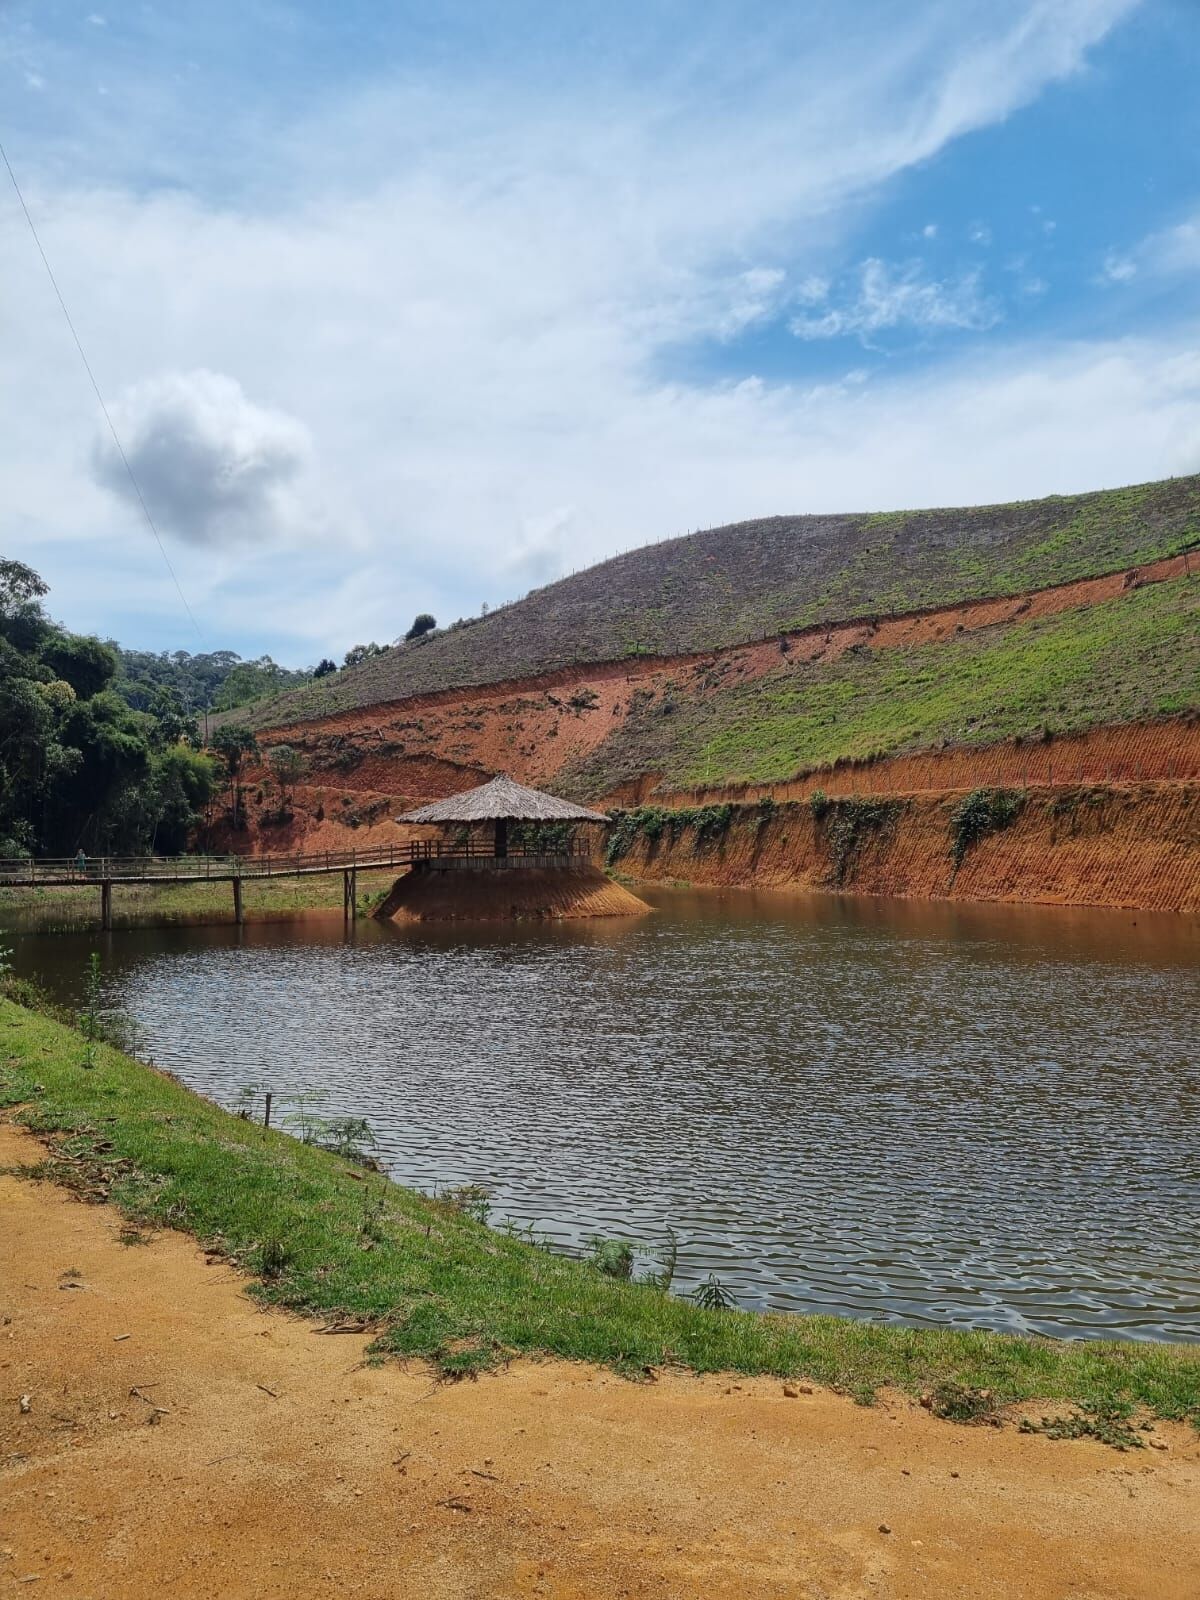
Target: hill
{"x": 750, "y": 580}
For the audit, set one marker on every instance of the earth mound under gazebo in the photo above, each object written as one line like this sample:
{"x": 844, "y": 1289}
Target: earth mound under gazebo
{"x": 513, "y": 853}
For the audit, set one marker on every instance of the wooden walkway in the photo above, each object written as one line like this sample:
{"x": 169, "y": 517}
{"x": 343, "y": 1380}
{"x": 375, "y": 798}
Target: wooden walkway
{"x": 103, "y": 872}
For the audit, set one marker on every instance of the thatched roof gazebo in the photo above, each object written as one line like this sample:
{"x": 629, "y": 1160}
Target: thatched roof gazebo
{"x": 465, "y": 878}
{"x": 500, "y": 802}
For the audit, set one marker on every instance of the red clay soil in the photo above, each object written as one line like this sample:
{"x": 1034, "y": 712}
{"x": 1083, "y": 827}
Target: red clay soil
{"x": 179, "y": 1441}
{"x": 369, "y": 765}
{"x": 1168, "y": 750}
{"x": 543, "y": 894}
{"x": 435, "y": 744}
{"x": 1136, "y": 847}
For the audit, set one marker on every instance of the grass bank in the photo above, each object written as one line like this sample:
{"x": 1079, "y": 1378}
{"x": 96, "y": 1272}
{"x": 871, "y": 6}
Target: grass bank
{"x": 140, "y": 905}
{"x": 324, "y": 1237}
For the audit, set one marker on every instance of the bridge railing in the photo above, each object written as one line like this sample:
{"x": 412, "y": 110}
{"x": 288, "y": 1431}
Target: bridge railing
{"x": 29, "y": 872}
{"x": 16, "y": 871}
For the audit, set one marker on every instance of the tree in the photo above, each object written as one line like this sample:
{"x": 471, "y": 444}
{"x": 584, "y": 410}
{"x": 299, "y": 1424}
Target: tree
{"x": 286, "y": 765}
{"x": 361, "y": 652}
{"x": 86, "y": 664}
{"x": 22, "y": 620}
{"x": 324, "y": 667}
{"x": 423, "y": 623}
{"x": 173, "y": 723}
{"x": 80, "y": 763}
{"x": 235, "y": 744}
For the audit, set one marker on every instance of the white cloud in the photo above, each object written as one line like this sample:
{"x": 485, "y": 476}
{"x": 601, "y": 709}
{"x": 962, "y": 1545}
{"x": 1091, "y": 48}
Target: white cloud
{"x": 900, "y": 297}
{"x": 1171, "y": 252}
{"x": 754, "y": 297}
{"x": 213, "y": 467}
{"x": 979, "y": 233}
{"x": 34, "y": 81}
{"x": 929, "y": 231}
{"x": 469, "y": 294}
{"x": 1117, "y": 268}
{"x": 1176, "y": 249}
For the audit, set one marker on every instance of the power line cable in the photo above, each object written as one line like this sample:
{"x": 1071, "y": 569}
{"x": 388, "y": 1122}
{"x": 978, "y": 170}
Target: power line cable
{"x": 87, "y": 367}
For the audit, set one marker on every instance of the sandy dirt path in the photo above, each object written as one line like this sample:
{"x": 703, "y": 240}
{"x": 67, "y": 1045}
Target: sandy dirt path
{"x": 181, "y": 1442}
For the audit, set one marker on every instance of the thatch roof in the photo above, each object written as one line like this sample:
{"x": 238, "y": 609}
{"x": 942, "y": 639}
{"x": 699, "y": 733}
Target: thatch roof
{"x": 502, "y": 800}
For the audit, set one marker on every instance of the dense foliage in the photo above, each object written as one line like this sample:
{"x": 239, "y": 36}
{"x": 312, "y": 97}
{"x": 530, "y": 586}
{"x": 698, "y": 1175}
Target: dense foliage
{"x": 217, "y": 680}
{"x": 80, "y": 766}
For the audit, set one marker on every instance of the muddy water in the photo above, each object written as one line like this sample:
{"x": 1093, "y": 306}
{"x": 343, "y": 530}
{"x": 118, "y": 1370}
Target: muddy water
{"x": 908, "y": 1112}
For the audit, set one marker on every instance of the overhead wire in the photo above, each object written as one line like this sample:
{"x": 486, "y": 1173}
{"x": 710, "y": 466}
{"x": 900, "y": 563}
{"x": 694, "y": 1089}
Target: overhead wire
{"x": 87, "y": 367}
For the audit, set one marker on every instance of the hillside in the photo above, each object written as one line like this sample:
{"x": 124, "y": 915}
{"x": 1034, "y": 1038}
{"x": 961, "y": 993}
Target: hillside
{"x": 750, "y": 580}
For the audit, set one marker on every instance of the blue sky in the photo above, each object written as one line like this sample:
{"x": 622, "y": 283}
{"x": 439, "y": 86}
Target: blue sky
{"x": 402, "y": 307}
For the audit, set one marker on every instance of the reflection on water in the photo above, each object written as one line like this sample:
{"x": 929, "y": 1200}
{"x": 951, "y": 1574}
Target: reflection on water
{"x": 923, "y": 1113}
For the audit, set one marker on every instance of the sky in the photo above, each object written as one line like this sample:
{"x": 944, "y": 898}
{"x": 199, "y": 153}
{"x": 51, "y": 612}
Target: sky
{"x": 401, "y": 308}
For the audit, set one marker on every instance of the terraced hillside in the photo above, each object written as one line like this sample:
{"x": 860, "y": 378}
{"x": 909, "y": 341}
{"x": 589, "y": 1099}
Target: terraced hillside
{"x": 1132, "y": 658}
{"x": 754, "y": 579}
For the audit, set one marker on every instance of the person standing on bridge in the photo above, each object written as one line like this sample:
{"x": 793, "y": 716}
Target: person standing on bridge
{"x": 81, "y": 862}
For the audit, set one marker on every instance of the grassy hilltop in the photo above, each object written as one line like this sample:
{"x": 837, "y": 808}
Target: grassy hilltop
{"x": 729, "y": 584}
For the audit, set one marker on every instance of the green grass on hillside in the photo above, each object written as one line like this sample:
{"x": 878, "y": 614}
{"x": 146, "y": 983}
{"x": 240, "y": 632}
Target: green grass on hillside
{"x": 1133, "y": 657}
{"x": 328, "y": 1239}
{"x": 725, "y": 585}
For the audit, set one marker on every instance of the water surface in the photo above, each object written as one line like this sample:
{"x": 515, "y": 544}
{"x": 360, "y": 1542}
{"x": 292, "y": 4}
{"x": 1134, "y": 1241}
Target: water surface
{"x": 932, "y": 1114}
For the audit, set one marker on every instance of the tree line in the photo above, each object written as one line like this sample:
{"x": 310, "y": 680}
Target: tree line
{"x": 107, "y": 750}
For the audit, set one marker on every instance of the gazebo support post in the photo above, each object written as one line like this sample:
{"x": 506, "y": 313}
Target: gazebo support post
{"x": 501, "y": 838}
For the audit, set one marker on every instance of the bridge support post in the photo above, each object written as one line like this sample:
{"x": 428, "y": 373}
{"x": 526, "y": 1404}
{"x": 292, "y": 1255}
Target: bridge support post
{"x": 106, "y": 904}
{"x": 238, "y": 915}
{"x": 350, "y": 894}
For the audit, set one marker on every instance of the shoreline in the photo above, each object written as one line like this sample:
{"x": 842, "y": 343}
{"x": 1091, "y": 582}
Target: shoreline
{"x": 178, "y": 1437}
{"x": 325, "y": 1237}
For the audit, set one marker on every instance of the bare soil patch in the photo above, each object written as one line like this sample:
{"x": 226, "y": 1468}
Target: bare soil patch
{"x": 179, "y": 1439}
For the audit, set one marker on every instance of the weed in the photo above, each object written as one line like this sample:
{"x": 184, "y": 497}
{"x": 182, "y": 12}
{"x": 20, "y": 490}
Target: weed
{"x": 350, "y": 1137}
{"x": 612, "y": 1257}
{"x": 819, "y": 804}
{"x": 978, "y": 814}
{"x": 89, "y": 1017}
{"x": 469, "y": 1200}
{"x": 712, "y": 1295}
{"x": 371, "y": 1228}
{"x": 667, "y": 1257}
{"x": 274, "y": 1257}
{"x": 849, "y": 822}
{"x": 960, "y": 1402}
{"x": 1110, "y": 1423}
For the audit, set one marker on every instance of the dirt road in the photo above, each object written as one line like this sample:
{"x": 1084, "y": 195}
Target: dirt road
{"x": 180, "y": 1442}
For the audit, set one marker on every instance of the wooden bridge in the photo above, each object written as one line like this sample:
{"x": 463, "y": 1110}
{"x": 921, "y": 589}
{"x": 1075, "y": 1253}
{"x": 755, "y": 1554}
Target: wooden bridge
{"x": 102, "y": 872}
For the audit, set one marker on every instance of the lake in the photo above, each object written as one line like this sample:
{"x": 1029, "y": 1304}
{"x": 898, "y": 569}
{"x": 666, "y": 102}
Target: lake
{"x": 910, "y": 1112}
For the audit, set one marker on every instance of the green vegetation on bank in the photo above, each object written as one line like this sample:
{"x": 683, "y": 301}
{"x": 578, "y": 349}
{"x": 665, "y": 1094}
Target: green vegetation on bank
{"x": 327, "y": 1238}
{"x": 722, "y": 586}
{"x": 1134, "y": 657}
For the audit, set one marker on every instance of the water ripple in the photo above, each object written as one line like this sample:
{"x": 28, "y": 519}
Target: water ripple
{"x": 904, "y": 1114}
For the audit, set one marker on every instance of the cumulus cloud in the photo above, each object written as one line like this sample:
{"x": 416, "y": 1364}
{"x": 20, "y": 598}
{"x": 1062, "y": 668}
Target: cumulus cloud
{"x": 471, "y": 284}
{"x": 900, "y": 297}
{"x": 213, "y": 467}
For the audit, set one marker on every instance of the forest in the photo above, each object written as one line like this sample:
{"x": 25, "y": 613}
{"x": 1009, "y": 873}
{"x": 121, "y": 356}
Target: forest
{"x": 100, "y": 749}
